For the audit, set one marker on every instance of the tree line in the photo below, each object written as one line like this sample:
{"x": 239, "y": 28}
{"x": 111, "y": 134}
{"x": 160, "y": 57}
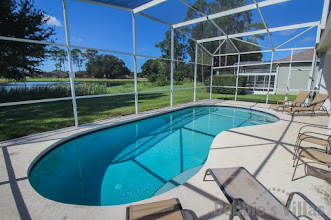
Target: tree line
{"x": 97, "y": 66}
{"x": 18, "y": 60}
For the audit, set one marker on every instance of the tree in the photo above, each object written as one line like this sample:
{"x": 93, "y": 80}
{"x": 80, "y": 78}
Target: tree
{"x": 62, "y": 58}
{"x": 54, "y": 53}
{"x": 180, "y": 53}
{"x": 180, "y": 46}
{"x": 108, "y": 66}
{"x": 158, "y": 71}
{"x": 20, "y": 19}
{"x": 77, "y": 57}
{"x": 90, "y": 56}
{"x": 235, "y": 23}
{"x": 58, "y": 56}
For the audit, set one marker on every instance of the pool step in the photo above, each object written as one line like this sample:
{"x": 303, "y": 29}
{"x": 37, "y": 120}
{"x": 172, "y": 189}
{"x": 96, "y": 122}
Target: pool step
{"x": 178, "y": 180}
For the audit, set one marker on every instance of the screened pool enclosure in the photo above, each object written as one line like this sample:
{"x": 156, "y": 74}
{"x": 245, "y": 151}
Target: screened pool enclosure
{"x": 254, "y": 52}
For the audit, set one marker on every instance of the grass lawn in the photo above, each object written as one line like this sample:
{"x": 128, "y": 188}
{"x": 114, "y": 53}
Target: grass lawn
{"x": 21, "y": 120}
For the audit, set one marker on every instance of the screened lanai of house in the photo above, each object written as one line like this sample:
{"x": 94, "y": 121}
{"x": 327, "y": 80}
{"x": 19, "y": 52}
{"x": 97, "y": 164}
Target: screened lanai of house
{"x": 219, "y": 47}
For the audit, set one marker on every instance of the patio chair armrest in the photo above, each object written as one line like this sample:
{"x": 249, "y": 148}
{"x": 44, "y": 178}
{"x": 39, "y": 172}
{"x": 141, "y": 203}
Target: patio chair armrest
{"x": 313, "y": 126}
{"x": 240, "y": 204}
{"x": 308, "y": 201}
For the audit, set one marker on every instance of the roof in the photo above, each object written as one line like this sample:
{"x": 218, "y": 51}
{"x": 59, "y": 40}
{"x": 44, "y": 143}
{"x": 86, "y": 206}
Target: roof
{"x": 306, "y": 55}
{"x": 131, "y": 4}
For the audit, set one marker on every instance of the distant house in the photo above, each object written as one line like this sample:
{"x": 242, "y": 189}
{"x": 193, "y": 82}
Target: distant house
{"x": 298, "y": 75}
{"x": 257, "y": 73}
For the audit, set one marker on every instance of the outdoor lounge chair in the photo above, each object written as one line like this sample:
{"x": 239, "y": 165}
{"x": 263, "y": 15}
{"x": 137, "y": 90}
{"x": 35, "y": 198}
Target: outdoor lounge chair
{"x": 316, "y": 105}
{"x": 170, "y": 209}
{"x": 247, "y": 196}
{"x": 312, "y": 134}
{"x": 317, "y": 155}
{"x": 299, "y": 100}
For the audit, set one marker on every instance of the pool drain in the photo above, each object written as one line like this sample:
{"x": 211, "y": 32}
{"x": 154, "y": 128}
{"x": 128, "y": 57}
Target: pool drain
{"x": 118, "y": 186}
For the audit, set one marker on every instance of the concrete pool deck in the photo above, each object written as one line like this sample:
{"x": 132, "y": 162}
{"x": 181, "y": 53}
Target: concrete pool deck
{"x": 264, "y": 150}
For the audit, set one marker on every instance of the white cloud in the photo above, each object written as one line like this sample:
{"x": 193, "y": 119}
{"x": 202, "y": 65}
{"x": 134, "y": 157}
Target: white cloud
{"x": 308, "y": 39}
{"x": 142, "y": 49}
{"x": 287, "y": 33}
{"x": 52, "y": 21}
{"x": 77, "y": 39}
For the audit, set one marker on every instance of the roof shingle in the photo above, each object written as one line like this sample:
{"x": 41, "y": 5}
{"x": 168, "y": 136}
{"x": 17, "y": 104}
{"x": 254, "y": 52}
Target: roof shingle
{"x": 306, "y": 55}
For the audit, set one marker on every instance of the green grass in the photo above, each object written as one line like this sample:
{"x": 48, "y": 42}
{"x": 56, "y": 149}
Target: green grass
{"x": 21, "y": 120}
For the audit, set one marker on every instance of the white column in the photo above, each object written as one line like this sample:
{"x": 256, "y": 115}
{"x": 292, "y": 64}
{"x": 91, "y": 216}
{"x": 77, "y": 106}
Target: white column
{"x": 238, "y": 67}
{"x": 276, "y": 79}
{"x": 319, "y": 79}
{"x": 289, "y": 76}
{"x": 271, "y": 62}
{"x": 195, "y": 71}
{"x": 211, "y": 78}
{"x": 311, "y": 76}
{"x": 254, "y": 84}
{"x": 135, "y": 63}
{"x": 71, "y": 72}
{"x": 172, "y": 67}
{"x": 326, "y": 6}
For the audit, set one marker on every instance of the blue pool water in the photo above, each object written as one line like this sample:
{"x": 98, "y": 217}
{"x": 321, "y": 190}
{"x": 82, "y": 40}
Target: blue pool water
{"x": 137, "y": 160}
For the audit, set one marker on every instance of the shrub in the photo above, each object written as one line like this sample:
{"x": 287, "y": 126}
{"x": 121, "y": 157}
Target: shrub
{"x": 227, "y": 80}
{"x": 162, "y": 81}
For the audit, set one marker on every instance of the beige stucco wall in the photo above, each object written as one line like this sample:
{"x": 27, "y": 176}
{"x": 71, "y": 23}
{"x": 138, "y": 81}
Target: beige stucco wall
{"x": 325, "y": 68}
{"x": 299, "y": 79}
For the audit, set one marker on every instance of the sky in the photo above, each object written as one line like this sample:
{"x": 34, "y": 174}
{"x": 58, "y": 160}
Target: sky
{"x": 108, "y": 28}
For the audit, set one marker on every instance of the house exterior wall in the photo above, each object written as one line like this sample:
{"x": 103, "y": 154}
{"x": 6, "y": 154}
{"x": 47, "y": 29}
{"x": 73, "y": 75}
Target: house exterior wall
{"x": 325, "y": 68}
{"x": 299, "y": 78}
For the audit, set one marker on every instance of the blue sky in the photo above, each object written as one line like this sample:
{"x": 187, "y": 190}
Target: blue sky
{"x": 107, "y": 28}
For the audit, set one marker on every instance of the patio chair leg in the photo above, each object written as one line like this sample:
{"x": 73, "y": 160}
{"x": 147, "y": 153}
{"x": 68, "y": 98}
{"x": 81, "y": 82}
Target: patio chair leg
{"x": 206, "y": 173}
{"x": 233, "y": 211}
{"x": 297, "y": 144}
{"x": 326, "y": 111}
{"x": 295, "y": 159}
{"x": 296, "y": 166}
{"x": 296, "y": 151}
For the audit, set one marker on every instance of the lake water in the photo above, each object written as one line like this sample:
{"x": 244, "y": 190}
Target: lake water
{"x": 15, "y": 85}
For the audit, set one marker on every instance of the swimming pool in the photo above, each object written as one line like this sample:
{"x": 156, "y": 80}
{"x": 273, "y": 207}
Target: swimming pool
{"x": 137, "y": 160}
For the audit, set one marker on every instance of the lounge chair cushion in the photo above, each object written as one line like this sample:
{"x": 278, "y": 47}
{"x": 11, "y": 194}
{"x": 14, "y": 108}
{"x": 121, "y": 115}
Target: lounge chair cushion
{"x": 315, "y": 140}
{"x": 162, "y": 210}
{"x": 317, "y": 156}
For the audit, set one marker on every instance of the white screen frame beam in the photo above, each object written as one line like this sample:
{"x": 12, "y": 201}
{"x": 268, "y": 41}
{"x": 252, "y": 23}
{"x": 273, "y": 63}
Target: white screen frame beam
{"x": 229, "y": 12}
{"x": 263, "y": 31}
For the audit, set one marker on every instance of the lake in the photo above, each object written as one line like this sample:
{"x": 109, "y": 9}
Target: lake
{"x": 15, "y": 85}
